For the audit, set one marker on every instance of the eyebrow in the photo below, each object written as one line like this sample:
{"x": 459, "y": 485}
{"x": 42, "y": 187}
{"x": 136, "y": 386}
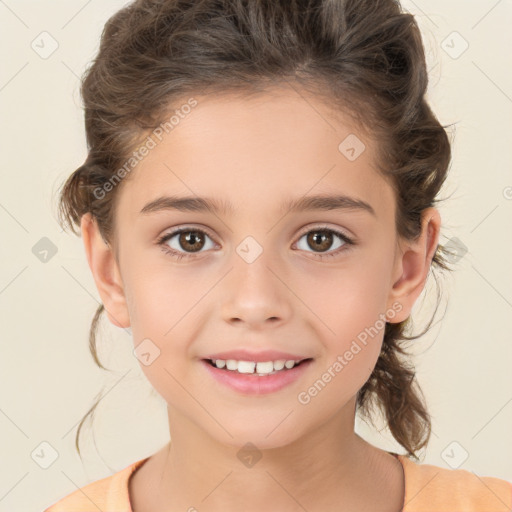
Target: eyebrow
{"x": 306, "y": 203}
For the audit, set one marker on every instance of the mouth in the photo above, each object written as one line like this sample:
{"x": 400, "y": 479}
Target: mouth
{"x": 251, "y": 378}
{"x": 252, "y": 367}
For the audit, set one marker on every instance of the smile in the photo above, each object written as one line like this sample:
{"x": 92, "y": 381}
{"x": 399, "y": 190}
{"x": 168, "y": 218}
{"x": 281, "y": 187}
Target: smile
{"x": 269, "y": 377}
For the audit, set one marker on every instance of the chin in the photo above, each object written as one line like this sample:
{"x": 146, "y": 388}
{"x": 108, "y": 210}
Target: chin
{"x": 264, "y": 436}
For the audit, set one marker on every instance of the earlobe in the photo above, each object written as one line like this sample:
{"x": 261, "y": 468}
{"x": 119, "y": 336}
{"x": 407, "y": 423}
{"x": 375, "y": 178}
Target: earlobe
{"x": 414, "y": 262}
{"x": 105, "y": 271}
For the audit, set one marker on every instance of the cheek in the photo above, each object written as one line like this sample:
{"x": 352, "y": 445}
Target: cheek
{"x": 163, "y": 305}
{"x": 351, "y": 330}
{"x": 160, "y": 316}
{"x": 349, "y": 306}
{"x": 160, "y": 293}
{"x": 347, "y": 300}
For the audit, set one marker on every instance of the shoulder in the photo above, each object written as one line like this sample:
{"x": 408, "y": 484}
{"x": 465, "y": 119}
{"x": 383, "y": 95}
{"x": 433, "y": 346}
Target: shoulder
{"x": 110, "y": 493}
{"x": 433, "y": 488}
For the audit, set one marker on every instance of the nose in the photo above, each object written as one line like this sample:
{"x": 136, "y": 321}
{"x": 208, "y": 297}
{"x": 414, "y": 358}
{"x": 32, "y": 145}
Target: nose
{"x": 255, "y": 294}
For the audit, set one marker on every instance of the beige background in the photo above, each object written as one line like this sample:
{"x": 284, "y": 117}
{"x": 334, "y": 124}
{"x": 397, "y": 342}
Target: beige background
{"x": 48, "y": 377}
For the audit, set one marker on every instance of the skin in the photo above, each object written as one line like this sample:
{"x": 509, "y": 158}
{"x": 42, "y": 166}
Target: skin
{"x": 256, "y": 153}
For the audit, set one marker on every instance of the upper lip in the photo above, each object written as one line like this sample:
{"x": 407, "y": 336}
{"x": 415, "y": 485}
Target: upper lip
{"x": 262, "y": 356}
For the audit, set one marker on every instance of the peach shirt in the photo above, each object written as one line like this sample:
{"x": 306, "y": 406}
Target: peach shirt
{"x": 428, "y": 488}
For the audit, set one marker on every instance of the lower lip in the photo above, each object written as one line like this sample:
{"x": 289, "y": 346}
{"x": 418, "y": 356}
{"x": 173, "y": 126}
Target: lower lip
{"x": 253, "y": 384}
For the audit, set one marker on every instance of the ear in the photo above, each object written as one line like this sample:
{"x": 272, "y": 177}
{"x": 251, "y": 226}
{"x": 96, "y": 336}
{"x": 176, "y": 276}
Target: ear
{"x": 105, "y": 271}
{"x": 412, "y": 265}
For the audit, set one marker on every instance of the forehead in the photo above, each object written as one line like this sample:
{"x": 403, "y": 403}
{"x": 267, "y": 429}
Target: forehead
{"x": 255, "y": 151}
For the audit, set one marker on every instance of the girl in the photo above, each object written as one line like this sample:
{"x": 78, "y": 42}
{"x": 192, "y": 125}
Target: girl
{"x": 257, "y": 206}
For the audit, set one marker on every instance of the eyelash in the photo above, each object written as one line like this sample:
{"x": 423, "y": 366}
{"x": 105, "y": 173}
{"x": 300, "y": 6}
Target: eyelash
{"x": 179, "y": 255}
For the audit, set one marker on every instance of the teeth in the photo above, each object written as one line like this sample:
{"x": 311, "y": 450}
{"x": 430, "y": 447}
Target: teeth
{"x": 231, "y": 364}
{"x": 262, "y": 368}
{"x": 278, "y": 365}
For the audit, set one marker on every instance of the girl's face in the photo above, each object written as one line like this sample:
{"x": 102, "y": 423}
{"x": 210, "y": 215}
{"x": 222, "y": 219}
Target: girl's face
{"x": 261, "y": 277}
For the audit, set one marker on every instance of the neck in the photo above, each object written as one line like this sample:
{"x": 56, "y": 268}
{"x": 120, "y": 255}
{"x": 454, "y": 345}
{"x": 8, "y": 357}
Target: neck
{"x": 331, "y": 465}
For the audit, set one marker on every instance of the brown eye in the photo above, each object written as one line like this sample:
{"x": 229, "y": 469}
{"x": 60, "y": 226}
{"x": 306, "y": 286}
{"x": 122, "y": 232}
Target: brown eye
{"x": 321, "y": 240}
{"x": 185, "y": 242}
{"x": 191, "y": 240}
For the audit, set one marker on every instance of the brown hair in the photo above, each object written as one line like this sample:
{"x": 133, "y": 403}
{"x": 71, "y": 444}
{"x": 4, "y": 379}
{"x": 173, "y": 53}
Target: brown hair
{"x": 365, "y": 57}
